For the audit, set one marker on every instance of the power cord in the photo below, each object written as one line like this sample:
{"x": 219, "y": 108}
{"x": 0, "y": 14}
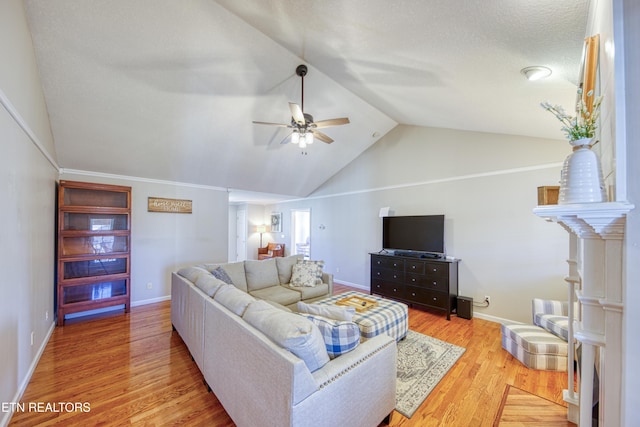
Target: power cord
{"x": 486, "y": 303}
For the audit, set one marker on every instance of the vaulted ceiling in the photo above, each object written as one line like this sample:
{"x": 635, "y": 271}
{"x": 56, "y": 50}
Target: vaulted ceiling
{"x": 168, "y": 89}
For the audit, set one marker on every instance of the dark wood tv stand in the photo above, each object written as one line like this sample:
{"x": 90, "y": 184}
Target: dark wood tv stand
{"x": 423, "y": 281}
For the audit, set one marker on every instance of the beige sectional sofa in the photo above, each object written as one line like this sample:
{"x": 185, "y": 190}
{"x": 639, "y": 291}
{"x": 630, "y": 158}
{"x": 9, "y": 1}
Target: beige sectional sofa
{"x": 264, "y": 363}
{"x": 270, "y": 280}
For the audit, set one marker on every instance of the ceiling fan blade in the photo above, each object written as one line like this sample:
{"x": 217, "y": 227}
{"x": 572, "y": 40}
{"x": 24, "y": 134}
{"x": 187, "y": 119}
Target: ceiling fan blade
{"x": 331, "y": 122}
{"x": 296, "y": 113}
{"x": 282, "y": 125}
{"x": 322, "y": 137}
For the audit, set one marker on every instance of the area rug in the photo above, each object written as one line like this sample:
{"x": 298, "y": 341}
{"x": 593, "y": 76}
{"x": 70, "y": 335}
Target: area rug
{"x": 422, "y": 362}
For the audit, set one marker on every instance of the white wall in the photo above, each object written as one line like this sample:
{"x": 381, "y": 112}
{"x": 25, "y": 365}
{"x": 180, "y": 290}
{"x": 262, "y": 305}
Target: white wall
{"x": 485, "y": 184}
{"x": 163, "y": 242}
{"x": 27, "y": 189}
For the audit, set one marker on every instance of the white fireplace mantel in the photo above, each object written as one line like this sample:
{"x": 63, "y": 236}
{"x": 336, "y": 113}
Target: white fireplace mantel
{"x": 596, "y": 261}
{"x": 606, "y": 220}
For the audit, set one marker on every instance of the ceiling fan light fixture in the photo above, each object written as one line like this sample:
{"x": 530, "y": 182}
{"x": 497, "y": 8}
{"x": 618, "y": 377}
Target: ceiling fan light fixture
{"x": 309, "y": 138}
{"x": 536, "y": 72}
{"x": 295, "y": 137}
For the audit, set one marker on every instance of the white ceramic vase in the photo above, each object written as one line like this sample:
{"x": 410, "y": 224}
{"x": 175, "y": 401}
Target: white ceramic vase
{"x": 581, "y": 178}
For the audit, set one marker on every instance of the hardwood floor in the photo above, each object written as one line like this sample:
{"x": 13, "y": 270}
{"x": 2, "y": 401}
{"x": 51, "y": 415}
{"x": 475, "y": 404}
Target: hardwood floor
{"x": 521, "y": 409}
{"x": 131, "y": 369}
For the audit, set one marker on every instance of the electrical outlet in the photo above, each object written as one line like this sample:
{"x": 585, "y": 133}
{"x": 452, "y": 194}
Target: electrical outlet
{"x": 337, "y": 269}
{"x": 46, "y": 315}
{"x": 149, "y": 285}
{"x": 487, "y": 299}
{"x": 32, "y": 337}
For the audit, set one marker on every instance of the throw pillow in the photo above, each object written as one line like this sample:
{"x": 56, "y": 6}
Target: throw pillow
{"x": 290, "y": 331}
{"x": 339, "y": 337}
{"x": 220, "y": 274}
{"x": 304, "y": 275}
{"x": 233, "y": 299}
{"x": 319, "y": 265}
{"x": 329, "y": 311}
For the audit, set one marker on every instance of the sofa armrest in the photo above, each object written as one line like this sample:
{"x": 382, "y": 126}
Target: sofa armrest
{"x": 337, "y": 367}
{"x": 328, "y": 279}
{"x": 364, "y": 378}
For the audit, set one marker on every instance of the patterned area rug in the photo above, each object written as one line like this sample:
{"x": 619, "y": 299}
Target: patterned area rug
{"x": 422, "y": 362}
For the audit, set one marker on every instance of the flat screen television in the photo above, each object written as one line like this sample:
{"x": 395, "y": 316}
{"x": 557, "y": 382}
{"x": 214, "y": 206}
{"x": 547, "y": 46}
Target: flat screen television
{"x": 418, "y": 233}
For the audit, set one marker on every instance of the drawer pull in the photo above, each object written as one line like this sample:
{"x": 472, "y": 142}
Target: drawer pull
{"x": 413, "y": 266}
{"x": 435, "y": 299}
{"x": 395, "y": 277}
{"x": 395, "y": 290}
{"x": 435, "y": 283}
{"x": 413, "y": 279}
{"x": 435, "y": 269}
{"x": 378, "y": 273}
{"x": 413, "y": 294}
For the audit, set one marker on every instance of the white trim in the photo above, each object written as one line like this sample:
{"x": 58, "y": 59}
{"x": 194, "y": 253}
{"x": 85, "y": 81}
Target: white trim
{"x": 140, "y": 179}
{"x": 351, "y": 285}
{"x": 431, "y": 182}
{"x": 27, "y": 378}
{"x": 13, "y": 112}
{"x": 150, "y": 301}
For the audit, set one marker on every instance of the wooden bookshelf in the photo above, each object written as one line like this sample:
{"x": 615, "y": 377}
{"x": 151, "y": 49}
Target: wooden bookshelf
{"x": 93, "y": 247}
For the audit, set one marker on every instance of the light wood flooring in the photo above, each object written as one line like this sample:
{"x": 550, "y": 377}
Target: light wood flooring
{"x": 133, "y": 370}
{"x": 522, "y": 409}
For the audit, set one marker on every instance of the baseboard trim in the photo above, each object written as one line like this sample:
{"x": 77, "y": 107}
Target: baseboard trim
{"x": 27, "y": 378}
{"x": 150, "y": 301}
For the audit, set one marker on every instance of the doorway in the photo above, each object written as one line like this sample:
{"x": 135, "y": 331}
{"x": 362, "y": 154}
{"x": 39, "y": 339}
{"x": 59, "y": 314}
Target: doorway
{"x": 241, "y": 235}
{"x": 301, "y": 232}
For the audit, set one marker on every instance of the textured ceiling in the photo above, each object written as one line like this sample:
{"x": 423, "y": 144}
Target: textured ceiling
{"x": 167, "y": 90}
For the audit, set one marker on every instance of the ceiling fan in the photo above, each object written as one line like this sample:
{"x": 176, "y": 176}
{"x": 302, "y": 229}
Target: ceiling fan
{"x": 304, "y": 128}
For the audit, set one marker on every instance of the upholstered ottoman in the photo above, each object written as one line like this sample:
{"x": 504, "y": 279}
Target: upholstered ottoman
{"x": 535, "y": 347}
{"x": 387, "y": 316}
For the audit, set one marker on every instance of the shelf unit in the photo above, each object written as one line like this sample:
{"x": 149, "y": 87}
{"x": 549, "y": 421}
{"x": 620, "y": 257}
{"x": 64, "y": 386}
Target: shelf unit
{"x": 93, "y": 247}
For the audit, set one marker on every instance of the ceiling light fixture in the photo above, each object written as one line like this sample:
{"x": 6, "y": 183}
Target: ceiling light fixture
{"x": 302, "y": 138}
{"x": 536, "y": 72}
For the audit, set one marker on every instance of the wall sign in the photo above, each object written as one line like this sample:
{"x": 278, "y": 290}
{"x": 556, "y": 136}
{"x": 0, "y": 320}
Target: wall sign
{"x": 158, "y": 204}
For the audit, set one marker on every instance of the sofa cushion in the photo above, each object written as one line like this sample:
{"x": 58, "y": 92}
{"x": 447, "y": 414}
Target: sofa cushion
{"x": 557, "y": 325}
{"x": 306, "y": 274}
{"x": 192, "y": 273}
{"x": 261, "y": 274}
{"x": 312, "y": 292}
{"x": 233, "y": 298}
{"x": 329, "y": 311}
{"x": 209, "y": 284}
{"x": 339, "y": 336}
{"x": 290, "y": 331}
{"x": 279, "y": 294}
{"x": 285, "y": 266}
{"x": 235, "y": 270}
